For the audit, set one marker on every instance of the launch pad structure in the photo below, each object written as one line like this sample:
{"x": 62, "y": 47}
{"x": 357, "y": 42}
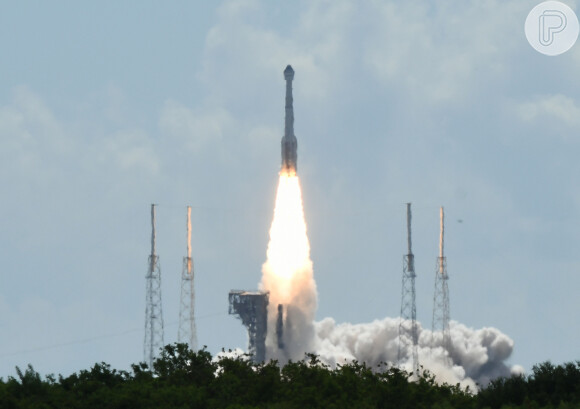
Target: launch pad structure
{"x": 408, "y": 305}
{"x": 252, "y": 308}
{"x": 441, "y": 295}
{"x": 187, "y": 331}
{"x": 153, "y": 312}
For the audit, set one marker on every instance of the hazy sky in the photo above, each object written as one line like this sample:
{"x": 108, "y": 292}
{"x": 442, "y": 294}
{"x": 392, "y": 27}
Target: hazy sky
{"x": 107, "y": 107}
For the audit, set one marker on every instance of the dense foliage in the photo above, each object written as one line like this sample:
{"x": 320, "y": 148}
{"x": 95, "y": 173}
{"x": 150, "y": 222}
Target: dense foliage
{"x": 548, "y": 386}
{"x": 181, "y": 378}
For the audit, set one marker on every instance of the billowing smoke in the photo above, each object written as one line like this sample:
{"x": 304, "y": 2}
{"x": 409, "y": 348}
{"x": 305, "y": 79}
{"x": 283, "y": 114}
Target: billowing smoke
{"x": 474, "y": 357}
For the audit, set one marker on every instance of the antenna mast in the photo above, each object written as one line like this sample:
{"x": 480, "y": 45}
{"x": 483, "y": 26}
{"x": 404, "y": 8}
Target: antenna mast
{"x": 441, "y": 296}
{"x": 408, "y": 306}
{"x": 153, "y": 313}
{"x": 187, "y": 331}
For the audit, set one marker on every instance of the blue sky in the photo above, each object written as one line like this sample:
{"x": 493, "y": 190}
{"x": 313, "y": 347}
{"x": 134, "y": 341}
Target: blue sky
{"x": 108, "y": 107}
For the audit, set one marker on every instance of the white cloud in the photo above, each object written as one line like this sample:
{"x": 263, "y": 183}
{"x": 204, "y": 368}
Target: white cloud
{"x": 432, "y": 54}
{"x": 40, "y": 145}
{"x": 556, "y": 107}
{"x": 194, "y": 130}
{"x": 440, "y": 53}
{"x": 131, "y": 149}
{"x": 244, "y": 49}
{"x": 261, "y": 136}
{"x": 27, "y": 124}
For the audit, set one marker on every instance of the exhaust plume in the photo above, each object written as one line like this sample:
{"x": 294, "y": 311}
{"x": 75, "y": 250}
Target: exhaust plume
{"x": 287, "y": 274}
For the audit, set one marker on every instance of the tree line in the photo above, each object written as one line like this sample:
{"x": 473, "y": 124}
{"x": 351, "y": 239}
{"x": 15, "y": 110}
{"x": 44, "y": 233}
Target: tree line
{"x": 181, "y": 378}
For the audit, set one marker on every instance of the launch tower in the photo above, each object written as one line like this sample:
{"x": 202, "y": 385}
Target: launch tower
{"x": 186, "y": 332}
{"x": 441, "y": 296}
{"x": 153, "y": 313}
{"x": 252, "y": 309}
{"x": 408, "y": 306}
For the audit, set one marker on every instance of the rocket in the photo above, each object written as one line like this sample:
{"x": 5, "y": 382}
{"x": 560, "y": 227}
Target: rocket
{"x": 289, "y": 142}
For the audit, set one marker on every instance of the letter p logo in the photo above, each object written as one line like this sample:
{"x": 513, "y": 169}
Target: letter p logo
{"x": 551, "y": 23}
{"x": 552, "y": 28}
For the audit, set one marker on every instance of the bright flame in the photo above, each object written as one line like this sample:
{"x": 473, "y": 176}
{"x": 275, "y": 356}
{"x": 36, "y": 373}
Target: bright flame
{"x": 287, "y": 272}
{"x": 289, "y": 250}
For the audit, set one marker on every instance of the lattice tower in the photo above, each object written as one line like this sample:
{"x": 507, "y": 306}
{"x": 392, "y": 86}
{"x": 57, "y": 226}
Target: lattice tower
{"x": 153, "y": 312}
{"x": 187, "y": 331}
{"x": 441, "y": 296}
{"x": 408, "y": 305}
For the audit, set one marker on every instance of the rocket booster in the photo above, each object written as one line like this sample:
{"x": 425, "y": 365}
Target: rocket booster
{"x": 289, "y": 142}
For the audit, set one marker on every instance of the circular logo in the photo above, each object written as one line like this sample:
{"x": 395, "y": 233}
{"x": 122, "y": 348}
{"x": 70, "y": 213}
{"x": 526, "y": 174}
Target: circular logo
{"x": 552, "y": 28}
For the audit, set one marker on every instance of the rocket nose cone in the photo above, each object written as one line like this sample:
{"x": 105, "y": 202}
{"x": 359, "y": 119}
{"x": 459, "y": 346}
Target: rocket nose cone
{"x": 289, "y": 73}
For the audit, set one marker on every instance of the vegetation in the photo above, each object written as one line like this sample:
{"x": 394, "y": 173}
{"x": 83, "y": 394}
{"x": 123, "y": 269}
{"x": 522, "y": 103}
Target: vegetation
{"x": 181, "y": 378}
{"x": 548, "y": 386}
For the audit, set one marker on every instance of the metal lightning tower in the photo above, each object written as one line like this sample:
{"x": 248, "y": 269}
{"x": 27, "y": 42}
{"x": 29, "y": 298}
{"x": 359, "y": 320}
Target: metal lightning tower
{"x": 153, "y": 312}
{"x": 441, "y": 296}
{"x": 186, "y": 332}
{"x": 408, "y": 306}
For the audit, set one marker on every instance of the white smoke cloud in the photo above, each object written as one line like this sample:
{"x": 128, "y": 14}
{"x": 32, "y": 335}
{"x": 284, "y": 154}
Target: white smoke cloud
{"x": 236, "y": 353}
{"x": 475, "y": 356}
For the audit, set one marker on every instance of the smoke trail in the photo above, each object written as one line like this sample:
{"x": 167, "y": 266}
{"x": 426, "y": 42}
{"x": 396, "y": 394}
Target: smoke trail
{"x": 287, "y": 274}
